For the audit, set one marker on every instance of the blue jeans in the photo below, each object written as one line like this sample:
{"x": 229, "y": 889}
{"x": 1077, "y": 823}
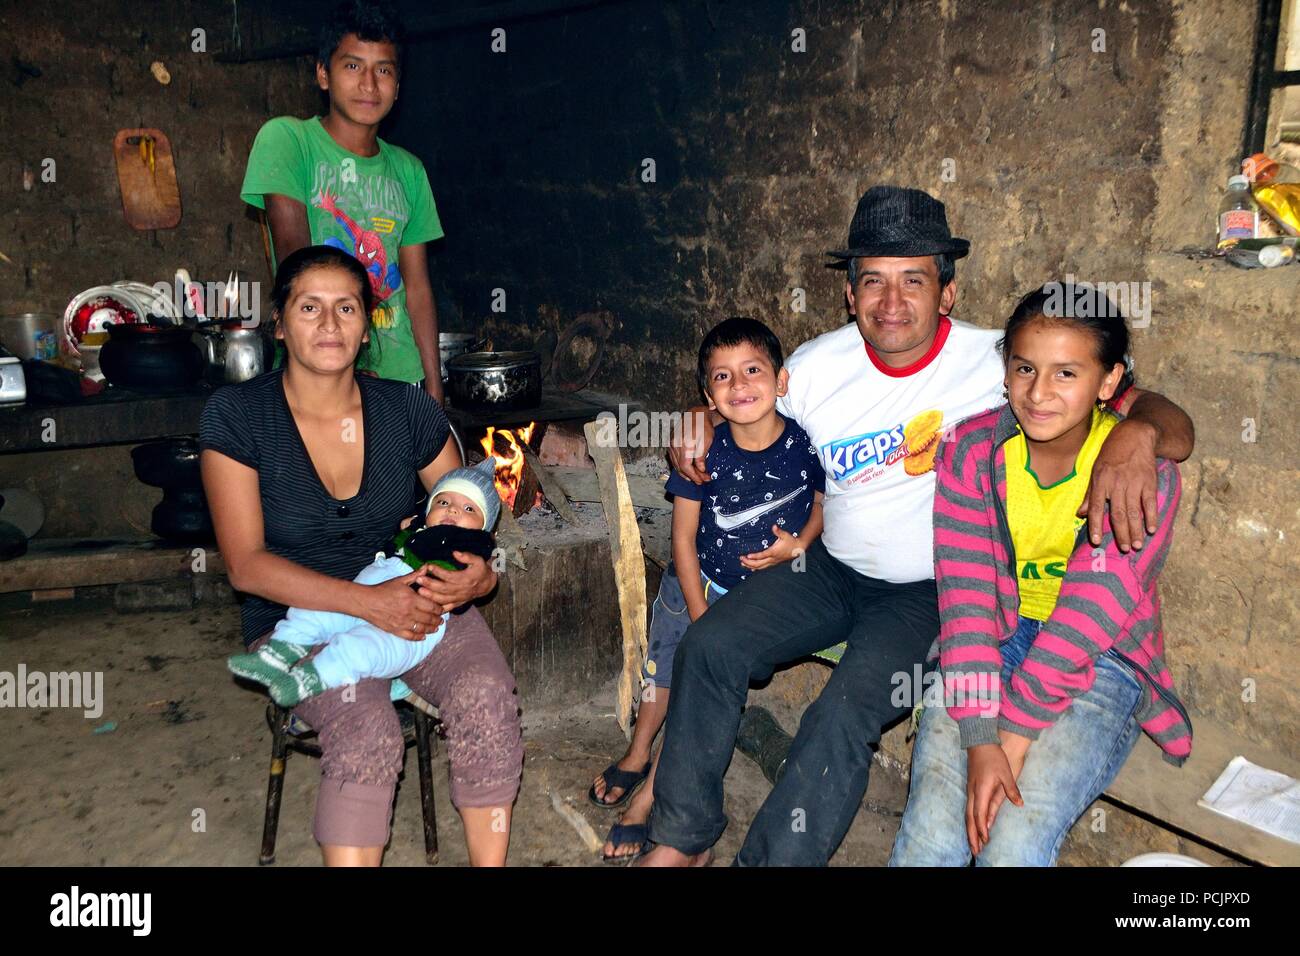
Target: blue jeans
{"x": 1068, "y": 767}
{"x": 773, "y": 617}
{"x": 669, "y": 620}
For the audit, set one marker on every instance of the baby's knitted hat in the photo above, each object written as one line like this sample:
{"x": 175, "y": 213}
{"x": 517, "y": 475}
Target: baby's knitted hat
{"x": 477, "y": 484}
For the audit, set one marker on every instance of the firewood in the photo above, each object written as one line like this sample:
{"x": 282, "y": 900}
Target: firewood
{"x": 526, "y": 493}
{"x": 629, "y": 566}
{"x": 551, "y": 488}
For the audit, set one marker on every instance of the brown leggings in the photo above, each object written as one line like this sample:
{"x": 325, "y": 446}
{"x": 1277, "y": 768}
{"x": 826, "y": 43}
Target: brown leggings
{"x": 466, "y": 677}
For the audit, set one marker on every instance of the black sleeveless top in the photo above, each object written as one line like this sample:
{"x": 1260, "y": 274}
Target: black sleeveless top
{"x": 404, "y": 429}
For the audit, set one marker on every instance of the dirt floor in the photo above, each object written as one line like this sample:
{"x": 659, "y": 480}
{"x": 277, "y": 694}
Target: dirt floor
{"x": 178, "y": 736}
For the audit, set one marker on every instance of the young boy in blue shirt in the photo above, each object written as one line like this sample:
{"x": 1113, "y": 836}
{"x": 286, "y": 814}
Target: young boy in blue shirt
{"x": 761, "y": 506}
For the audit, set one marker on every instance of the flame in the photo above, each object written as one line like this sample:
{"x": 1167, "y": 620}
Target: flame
{"x": 510, "y": 463}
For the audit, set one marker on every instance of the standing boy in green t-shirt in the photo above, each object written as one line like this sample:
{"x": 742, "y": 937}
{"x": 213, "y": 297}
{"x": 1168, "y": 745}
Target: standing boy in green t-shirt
{"x": 332, "y": 181}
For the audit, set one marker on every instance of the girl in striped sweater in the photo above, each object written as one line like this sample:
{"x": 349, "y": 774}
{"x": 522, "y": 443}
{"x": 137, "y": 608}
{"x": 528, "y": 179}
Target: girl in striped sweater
{"x": 1050, "y": 645}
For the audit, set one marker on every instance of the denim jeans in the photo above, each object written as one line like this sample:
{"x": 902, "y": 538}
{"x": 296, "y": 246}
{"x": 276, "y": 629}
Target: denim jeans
{"x": 771, "y": 618}
{"x": 1067, "y": 768}
{"x": 669, "y": 620}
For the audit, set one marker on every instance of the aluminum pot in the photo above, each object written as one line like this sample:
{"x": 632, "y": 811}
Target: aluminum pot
{"x": 451, "y": 344}
{"x": 32, "y": 335}
{"x": 495, "y": 381}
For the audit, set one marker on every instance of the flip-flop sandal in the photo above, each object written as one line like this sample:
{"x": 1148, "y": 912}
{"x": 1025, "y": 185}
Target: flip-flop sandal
{"x": 646, "y": 847}
{"x": 629, "y": 780}
{"x": 622, "y": 833}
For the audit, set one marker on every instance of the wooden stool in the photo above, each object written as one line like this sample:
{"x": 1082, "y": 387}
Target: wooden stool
{"x": 419, "y": 722}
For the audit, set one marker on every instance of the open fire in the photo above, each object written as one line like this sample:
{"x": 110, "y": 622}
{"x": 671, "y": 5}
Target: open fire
{"x": 504, "y": 443}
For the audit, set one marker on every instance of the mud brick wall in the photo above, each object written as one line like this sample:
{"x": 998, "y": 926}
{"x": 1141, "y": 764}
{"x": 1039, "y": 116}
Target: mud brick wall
{"x": 93, "y": 60}
{"x": 1046, "y": 153}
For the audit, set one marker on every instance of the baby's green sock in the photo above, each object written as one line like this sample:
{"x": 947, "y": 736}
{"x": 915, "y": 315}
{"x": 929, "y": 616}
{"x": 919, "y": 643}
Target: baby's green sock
{"x": 282, "y": 654}
{"x": 291, "y": 688}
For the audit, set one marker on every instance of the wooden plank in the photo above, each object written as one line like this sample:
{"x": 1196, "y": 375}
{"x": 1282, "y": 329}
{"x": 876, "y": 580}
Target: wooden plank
{"x": 61, "y": 563}
{"x": 581, "y": 484}
{"x": 1150, "y": 785}
{"x": 551, "y": 487}
{"x": 629, "y": 565}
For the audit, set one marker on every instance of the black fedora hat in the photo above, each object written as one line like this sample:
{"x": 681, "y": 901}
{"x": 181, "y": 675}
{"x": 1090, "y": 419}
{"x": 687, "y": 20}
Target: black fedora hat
{"x": 892, "y": 221}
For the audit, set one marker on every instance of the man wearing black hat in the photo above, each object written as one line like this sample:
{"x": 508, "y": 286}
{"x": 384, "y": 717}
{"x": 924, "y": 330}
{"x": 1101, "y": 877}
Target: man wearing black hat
{"x": 875, "y": 398}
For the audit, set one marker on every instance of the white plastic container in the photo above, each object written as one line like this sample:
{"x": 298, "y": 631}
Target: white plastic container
{"x": 1163, "y": 859}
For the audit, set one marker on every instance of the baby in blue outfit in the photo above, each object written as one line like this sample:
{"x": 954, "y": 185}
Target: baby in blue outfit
{"x": 457, "y": 516}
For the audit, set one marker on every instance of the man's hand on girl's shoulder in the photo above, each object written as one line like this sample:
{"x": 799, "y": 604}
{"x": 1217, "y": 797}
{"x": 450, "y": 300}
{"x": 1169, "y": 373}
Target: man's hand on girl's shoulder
{"x": 1124, "y": 475}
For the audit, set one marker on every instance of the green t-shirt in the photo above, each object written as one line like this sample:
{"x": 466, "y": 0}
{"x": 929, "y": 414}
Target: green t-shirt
{"x": 368, "y": 206}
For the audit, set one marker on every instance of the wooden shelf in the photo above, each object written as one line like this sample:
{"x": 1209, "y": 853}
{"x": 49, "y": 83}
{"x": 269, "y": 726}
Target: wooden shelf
{"x": 113, "y": 417}
{"x": 68, "y": 562}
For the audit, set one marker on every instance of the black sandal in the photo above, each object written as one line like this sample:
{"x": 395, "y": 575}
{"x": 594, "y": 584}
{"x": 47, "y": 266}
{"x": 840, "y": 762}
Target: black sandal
{"x": 622, "y": 834}
{"x": 629, "y": 780}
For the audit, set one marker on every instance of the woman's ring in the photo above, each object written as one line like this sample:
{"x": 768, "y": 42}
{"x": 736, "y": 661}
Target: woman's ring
{"x": 415, "y": 627}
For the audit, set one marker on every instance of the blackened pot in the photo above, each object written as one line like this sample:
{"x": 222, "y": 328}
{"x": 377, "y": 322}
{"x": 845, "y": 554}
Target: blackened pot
{"x": 182, "y": 517}
{"x": 495, "y": 381}
{"x": 170, "y": 463}
{"x": 148, "y": 357}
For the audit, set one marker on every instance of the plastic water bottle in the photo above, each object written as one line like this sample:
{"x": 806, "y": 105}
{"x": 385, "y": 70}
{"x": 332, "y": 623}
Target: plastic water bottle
{"x": 1238, "y": 214}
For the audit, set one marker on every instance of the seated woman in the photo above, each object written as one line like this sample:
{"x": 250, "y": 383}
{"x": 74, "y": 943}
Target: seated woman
{"x": 1050, "y": 648}
{"x": 308, "y": 471}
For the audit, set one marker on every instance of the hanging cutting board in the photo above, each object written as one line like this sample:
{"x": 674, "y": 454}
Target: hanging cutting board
{"x": 147, "y": 176}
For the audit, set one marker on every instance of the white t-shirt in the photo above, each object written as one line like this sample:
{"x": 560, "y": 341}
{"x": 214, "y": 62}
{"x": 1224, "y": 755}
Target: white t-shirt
{"x": 866, "y": 420}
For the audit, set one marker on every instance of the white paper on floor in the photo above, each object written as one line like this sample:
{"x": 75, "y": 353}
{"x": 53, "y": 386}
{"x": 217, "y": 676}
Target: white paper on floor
{"x": 1257, "y": 796}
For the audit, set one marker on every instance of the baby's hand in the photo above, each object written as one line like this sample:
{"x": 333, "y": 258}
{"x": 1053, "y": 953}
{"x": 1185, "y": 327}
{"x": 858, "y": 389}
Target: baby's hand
{"x": 786, "y": 547}
{"x": 406, "y": 523}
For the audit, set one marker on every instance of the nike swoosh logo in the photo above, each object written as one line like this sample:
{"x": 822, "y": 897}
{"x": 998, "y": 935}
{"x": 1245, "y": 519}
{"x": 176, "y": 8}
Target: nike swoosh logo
{"x": 728, "y": 522}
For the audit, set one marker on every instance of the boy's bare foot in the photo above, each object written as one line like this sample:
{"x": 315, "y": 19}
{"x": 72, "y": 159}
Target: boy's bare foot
{"x": 633, "y": 763}
{"x": 667, "y": 856}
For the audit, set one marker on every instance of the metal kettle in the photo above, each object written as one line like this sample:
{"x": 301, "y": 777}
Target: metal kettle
{"x": 235, "y": 353}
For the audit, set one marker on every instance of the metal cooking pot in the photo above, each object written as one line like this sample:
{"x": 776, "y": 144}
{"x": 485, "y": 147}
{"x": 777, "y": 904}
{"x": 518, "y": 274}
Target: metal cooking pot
{"x": 451, "y": 344}
{"x": 495, "y": 381}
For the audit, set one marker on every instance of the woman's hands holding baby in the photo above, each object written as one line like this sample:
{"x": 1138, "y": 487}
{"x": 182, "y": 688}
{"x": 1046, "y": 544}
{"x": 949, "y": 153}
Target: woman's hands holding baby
{"x": 398, "y": 608}
{"x": 450, "y": 589}
{"x": 409, "y": 606}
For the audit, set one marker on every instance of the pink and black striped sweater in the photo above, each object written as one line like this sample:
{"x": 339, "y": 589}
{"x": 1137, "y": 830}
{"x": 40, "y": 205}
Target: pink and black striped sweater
{"x": 1108, "y": 601}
